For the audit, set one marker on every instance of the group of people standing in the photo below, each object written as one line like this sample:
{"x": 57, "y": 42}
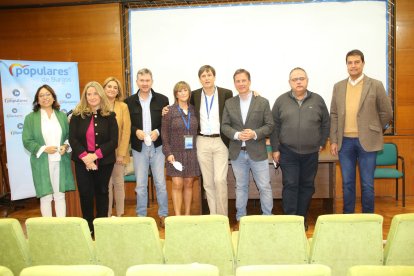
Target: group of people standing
{"x": 198, "y": 134}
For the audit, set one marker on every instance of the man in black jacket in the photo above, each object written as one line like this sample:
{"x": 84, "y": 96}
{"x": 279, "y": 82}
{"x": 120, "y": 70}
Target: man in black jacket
{"x": 145, "y": 110}
{"x": 301, "y": 129}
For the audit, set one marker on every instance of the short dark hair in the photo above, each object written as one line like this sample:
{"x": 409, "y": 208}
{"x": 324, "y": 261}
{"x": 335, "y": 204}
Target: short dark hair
{"x": 241, "y": 71}
{"x": 355, "y": 52}
{"x": 36, "y": 105}
{"x": 206, "y": 68}
{"x": 297, "y": 68}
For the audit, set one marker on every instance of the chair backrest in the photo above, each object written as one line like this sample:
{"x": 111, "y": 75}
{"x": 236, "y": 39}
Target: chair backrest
{"x": 380, "y": 270}
{"x": 271, "y": 240}
{"x": 14, "y": 251}
{"x": 60, "y": 241}
{"x": 399, "y": 248}
{"x": 67, "y": 270}
{"x": 344, "y": 240}
{"x": 202, "y": 239}
{"x": 388, "y": 155}
{"x": 4, "y": 271}
{"x": 127, "y": 241}
{"x": 284, "y": 270}
{"x": 173, "y": 270}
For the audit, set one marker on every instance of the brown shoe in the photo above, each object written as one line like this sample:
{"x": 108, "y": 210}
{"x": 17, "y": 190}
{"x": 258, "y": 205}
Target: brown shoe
{"x": 162, "y": 222}
{"x": 236, "y": 226}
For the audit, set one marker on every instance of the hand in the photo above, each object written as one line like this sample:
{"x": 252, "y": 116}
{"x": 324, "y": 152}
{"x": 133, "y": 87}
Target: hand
{"x": 89, "y": 158}
{"x": 140, "y": 134}
{"x": 276, "y": 156}
{"x": 247, "y": 134}
{"x": 51, "y": 149}
{"x": 91, "y": 167}
{"x": 120, "y": 160}
{"x": 154, "y": 135}
{"x": 256, "y": 94}
{"x": 171, "y": 158}
{"x": 334, "y": 149}
{"x": 165, "y": 111}
{"x": 63, "y": 149}
{"x": 320, "y": 149}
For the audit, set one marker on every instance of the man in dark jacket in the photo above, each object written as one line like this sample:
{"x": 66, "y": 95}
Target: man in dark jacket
{"x": 301, "y": 129}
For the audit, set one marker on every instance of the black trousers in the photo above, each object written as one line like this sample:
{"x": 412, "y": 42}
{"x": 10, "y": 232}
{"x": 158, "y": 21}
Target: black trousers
{"x": 298, "y": 176}
{"x": 93, "y": 188}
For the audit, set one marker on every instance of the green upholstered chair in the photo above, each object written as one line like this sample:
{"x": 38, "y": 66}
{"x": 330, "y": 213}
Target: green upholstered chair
{"x": 4, "y": 271}
{"x": 271, "y": 240}
{"x": 173, "y": 270}
{"x": 60, "y": 241}
{"x": 122, "y": 242}
{"x": 399, "y": 248}
{"x": 14, "y": 250}
{"x": 389, "y": 157}
{"x": 380, "y": 270}
{"x": 284, "y": 270}
{"x": 67, "y": 270}
{"x": 199, "y": 239}
{"x": 344, "y": 240}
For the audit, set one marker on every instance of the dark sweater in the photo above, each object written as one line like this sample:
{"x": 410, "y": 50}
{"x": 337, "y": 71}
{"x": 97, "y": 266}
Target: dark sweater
{"x": 301, "y": 128}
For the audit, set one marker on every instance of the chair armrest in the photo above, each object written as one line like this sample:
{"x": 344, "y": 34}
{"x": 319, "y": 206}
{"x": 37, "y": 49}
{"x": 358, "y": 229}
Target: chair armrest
{"x": 402, "y": 164}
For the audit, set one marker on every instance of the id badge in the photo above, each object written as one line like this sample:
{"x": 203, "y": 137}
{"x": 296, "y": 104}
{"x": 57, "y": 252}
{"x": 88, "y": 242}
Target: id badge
{"x": 208, "y": 128}
{"x": 188, "y": 141}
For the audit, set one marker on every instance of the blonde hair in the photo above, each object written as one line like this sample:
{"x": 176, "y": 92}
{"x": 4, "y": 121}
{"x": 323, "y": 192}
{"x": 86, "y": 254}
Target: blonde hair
{"x": 180, "y": 86}
{"x": 120, "y": 96}
{"x": 83, "y": 108}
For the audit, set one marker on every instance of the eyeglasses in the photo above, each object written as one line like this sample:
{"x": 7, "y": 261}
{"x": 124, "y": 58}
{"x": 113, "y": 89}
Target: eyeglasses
{"x": 298, "y": 79}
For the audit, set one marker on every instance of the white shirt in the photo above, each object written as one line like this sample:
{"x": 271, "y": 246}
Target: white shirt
{"x": 52, "y": 134}
{"x": 209, "y": 121}
{"x": 146, "y": 113}
{"x": 244, "y": 108}
{"x": 355, "y": 82}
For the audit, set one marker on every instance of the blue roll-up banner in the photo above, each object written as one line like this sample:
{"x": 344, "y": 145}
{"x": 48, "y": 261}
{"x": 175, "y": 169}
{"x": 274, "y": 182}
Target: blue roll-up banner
{"x": 19, "y": 82}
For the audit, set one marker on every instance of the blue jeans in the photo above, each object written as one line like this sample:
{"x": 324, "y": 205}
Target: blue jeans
{"x": 352, "y": 152}
{"x": 298, "y": 176}
{"x": 150, "y": 156}
{"x": 260, "y": 169}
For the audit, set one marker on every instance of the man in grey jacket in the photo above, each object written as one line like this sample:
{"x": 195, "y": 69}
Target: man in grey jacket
{"x": 247, "y": 121}
{"x": 301, "y": 129}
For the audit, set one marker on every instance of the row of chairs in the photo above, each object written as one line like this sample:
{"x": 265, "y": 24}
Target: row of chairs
{"x": 209, "y": 270}
{"x": 339, "y": 241}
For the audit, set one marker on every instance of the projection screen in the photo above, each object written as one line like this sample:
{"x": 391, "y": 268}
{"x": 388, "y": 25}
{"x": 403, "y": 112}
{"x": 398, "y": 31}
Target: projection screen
{"x": 267, "y": 39}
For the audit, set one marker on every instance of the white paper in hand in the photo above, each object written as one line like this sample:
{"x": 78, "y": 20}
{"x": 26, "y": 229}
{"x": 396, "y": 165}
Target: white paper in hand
{"x": 147, "y": 140}
{"x": 178, "y": 166}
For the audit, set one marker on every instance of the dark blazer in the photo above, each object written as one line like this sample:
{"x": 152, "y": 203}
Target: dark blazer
{"x": 223, "y": 95}
{"x": 259, "y": 118}
{"x": 158, "y": 102}
{"x": 374, "y": 113}
{"x": 106, "y": 136}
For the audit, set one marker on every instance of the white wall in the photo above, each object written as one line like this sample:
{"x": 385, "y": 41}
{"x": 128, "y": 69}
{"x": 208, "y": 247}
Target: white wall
{"x": 266, "y": 39}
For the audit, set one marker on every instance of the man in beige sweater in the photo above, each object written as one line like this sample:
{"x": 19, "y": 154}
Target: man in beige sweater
{"x": 360, "y": 110}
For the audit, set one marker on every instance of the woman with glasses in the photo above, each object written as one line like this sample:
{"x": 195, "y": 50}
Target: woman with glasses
{"x": 45, "y": 136}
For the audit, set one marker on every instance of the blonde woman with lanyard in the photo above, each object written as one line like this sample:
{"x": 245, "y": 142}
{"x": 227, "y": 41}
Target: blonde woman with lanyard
{"x": 179, "y": 129}
{"x": 113, "y": 91}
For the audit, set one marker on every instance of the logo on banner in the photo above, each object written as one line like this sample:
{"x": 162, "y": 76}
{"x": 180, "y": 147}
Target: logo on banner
{"x": 17, "y": 70}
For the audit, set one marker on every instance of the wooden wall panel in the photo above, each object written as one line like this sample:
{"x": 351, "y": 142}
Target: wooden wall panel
{"x": 90, "y": 35}
{"x": 404, "y": 97}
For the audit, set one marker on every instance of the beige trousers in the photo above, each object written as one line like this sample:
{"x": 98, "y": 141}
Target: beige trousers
{"x": 117, "y": 190}
{"x": 213, "y": 158}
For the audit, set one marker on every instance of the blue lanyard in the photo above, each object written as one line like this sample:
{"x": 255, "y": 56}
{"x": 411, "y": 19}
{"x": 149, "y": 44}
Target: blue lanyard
{"x": 211, "y": 105}
{"x": 186, "y": 123}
